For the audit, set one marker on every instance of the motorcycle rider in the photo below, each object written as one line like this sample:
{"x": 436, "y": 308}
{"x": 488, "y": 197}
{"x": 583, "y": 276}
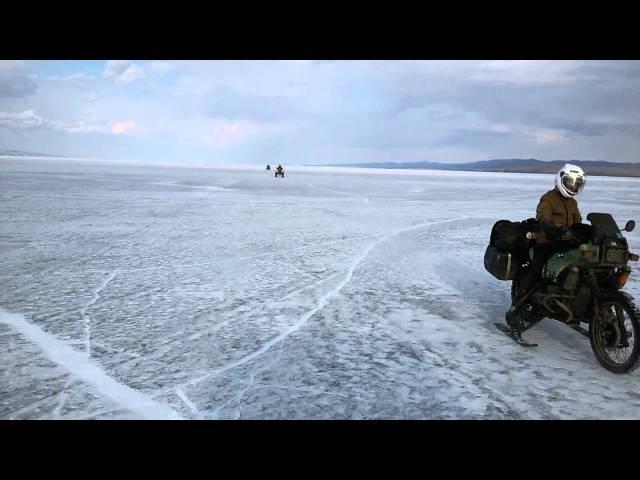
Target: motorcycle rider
{"x": 556, "y": 211}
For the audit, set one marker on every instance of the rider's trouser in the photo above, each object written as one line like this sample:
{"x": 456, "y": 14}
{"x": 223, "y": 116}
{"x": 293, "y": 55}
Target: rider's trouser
{"x": 541, "y": 253}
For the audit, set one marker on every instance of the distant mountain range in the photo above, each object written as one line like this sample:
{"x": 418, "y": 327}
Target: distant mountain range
{"x": 514, "y": 165}
{"x": 19, "y": 153}
{"x": 510, "y": 165}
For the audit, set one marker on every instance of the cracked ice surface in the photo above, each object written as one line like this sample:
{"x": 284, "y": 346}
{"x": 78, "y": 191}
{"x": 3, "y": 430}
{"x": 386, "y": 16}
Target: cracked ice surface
{"x": 132, "y": 292}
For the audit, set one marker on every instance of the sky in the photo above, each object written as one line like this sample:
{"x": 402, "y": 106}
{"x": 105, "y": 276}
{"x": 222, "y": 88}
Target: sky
{"x": 322, "y": 112}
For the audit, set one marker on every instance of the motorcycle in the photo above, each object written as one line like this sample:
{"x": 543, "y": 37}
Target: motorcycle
{"x": 581, "y": 282}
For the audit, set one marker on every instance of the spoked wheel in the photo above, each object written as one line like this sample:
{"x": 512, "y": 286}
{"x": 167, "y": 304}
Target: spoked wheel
{"x": 613, "y": 333}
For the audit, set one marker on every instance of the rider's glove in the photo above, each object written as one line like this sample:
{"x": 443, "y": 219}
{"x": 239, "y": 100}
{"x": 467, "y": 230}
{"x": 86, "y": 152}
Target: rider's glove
{"x": 551, "y": 231}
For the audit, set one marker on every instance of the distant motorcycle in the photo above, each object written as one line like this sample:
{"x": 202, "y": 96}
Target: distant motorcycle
{"x": 581, "y": 282}
{"x": 280, "y": 172}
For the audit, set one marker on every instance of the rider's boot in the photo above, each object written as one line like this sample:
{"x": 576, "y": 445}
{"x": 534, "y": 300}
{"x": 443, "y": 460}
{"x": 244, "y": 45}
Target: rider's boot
{"x": 514, "y": 323}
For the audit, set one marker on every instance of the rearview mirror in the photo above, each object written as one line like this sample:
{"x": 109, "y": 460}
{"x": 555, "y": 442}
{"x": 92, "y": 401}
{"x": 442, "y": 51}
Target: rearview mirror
{"x": 630, "y": 226}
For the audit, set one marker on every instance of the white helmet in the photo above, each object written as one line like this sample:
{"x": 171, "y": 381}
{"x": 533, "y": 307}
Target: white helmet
{"x": 570, "y": 180}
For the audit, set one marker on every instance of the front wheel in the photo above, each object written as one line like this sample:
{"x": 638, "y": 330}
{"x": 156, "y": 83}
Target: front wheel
{"x": 613, "y": 331}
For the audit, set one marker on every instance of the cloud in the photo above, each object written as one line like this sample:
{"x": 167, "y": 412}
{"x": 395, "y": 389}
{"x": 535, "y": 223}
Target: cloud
{"x": 91, "y": 97}
{"x": 26, "y": 119}
{"x": 544, "y": 102}
{"x": 126, "y": 71}
{"x": 527, "y": 72}
{"x": 122, "y": 71}
{"x": 226, "y": 134}
{"x": 120, "y": 128}
{"x": 79, "y": 77}
{"x": 30, "y": 120}
{"x": 75, "y": 77}
{"x": 76, "y": 126}
{"x": 15, "y": 80}
{"x": 225, "y": 103}
{"x": 79, "y": 127}
{"x": 382, "y": 110}
{"x": 546, "y": 135}
{"x": 473, "y": 138}
{"x": 161, "y": 67}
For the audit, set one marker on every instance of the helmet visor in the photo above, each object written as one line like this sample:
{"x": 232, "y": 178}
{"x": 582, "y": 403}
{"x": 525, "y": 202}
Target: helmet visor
{"x": 573, "y": 182}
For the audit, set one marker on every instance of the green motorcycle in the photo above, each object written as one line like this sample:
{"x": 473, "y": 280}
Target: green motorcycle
{"x": 581, "y": 283}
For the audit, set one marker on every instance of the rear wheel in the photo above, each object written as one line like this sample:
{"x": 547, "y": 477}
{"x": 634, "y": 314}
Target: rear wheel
{"x": 613, "y": 333}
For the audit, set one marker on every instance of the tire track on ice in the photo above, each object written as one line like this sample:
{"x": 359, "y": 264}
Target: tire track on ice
{"x": 321, "y": 304}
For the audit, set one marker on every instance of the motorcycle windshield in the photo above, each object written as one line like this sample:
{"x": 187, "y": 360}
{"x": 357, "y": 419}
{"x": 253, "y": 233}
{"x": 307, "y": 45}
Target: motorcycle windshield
{"x": 604, "y": 226}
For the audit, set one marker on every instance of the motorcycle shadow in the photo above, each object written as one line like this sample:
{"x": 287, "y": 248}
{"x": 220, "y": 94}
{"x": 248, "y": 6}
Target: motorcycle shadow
{"x": 575, "y": 345}
{"x": 491, "y": 302}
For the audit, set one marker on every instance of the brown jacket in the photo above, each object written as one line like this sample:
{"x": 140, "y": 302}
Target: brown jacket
{"x": 561, "y": 211}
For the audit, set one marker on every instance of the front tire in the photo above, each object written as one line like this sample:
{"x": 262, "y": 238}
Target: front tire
{"x": 613, "y": 332}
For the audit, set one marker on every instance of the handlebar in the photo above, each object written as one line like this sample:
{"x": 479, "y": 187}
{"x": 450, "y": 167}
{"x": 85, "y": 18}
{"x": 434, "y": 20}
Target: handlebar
{"x": 633, "y": 257}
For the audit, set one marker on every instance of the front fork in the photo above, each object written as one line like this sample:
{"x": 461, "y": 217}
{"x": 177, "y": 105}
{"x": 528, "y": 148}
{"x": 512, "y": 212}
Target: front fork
{"x": 595, "y": 293}
{"x": 595, "y": 289}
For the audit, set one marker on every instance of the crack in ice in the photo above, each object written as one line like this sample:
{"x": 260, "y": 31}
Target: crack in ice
{"x": 186, "y": 401}
{"x": 82, "y": 367}
{"x": 321, "y": 304}
{"x": 250, "y": 385}
{"x": 86, "y": 317}
{"x": 250, "y": 257}
{"x": 62, "y": 399}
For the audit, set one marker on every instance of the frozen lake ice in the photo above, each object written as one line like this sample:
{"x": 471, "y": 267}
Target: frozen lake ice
{"x": 148, "y": 292}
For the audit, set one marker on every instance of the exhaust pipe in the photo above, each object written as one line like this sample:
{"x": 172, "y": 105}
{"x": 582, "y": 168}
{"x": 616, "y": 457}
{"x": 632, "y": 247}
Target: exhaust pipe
{"x": 566, "y": 309}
